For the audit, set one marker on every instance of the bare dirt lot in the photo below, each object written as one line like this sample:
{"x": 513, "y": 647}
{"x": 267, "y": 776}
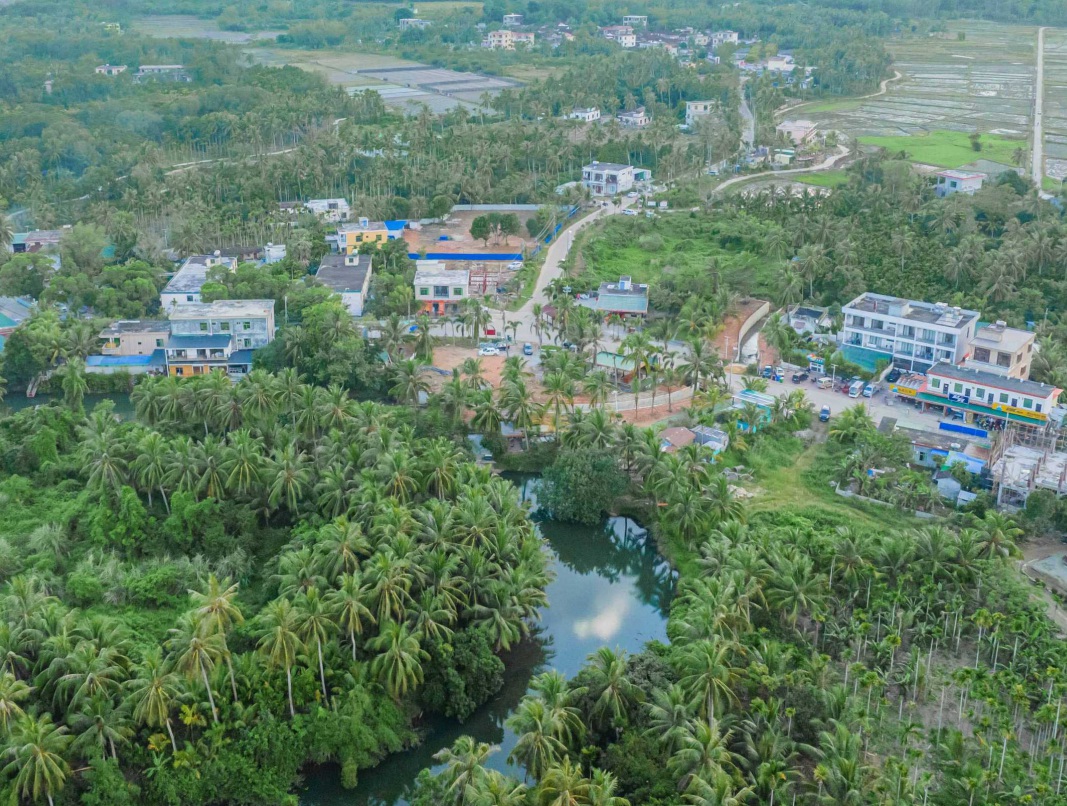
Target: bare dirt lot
{"x": 456, "y": 232}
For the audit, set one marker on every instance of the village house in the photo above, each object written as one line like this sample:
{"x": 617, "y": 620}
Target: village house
{"x": 348, "y": 275}
{"x": 949, "y": 182}
{"x": 782, "y": 63}
{"x": 986, "y": 394}
{"x": 805, "y": 319}
{"x": 587, "y": 114}
{"x": 607, "y": 178}
{"x": 110, "y": 69}
{"x": 723, "y": 38}
{"x": 409, "y": 23}
{"x": 38, "y": 240}
{"x": 190, "y": 278}
{"x": 634, "y": 119}
{"x": 797, "y": 132}
{"x": 1002, "y": 350}
{"x": 912, "y": 335}
{"x": 674, "y": 439}
{"x": 694, "y": 110}
{"x": 623, "y": 34}
{"x": 274, "y": 253}
{"x": 638, "y": 20}
{"x": 512, "y": 20}
{"x": 438, "y": 290}
{"x": 134, "y": 337}
{"x": 507, "y": 40}
{"x": 331, "y": 211}
{"x": 350, "y": 237}
{"x": 162, "y": 72}
{"x": 218, "y": 335}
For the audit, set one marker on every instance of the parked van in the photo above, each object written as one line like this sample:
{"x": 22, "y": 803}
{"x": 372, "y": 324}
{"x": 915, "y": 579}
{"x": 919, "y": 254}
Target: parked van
{"x": 826, "y": 383}
{"x": 856, "y": 389}
{"x": 868, "y": 390}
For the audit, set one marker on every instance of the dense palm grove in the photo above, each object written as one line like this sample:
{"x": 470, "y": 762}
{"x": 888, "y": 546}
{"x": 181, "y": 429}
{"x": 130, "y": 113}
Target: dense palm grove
{"x": 307, "y": 576}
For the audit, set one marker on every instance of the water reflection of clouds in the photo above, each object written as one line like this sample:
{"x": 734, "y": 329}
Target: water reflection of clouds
{"x": 606, "y": 623}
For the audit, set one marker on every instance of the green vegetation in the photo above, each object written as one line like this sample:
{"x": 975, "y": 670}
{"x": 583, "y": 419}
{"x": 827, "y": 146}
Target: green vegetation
{"x": 825, "y": 179}
{"x": 947, "y": 149}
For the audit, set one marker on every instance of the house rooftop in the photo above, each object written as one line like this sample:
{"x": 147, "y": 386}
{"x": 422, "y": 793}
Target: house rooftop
{"x": 929, "y": 313}
{"x": 982, "y": 378}
{"x": 606, "y": 166}
{"x": 808, "y": 311}
{"x": 998, "y": 336}
{"x": 123, "y": 326}
{"x": 360, "y": 226}
{"x": 442, "y": 276}
{"x": 961, "y": 175}
{"x": 336, "y": 274}
{"x": 217, "y": 341}
{"x": 222, "y": 309}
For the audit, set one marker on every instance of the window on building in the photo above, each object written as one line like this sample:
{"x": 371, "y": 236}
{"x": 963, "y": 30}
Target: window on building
{"x": 981, "y": 354}
{"x": 424, "y": 292}
{"x": 1003, "y": 359}
{"x": 248, "y": 325}
{"x": 457, "y": 292}
{"x": 225, "y": 327}
{"x": 440, "y": 291}
{"x": 1003, "y": 397}
{"x": 159, "y": 342}
{"x": 203, "y": 327}
{"x": 1028, "y": 403}
{"x": 179, "y": 370}
{"x": 957, "y": 388}
{"x": 980, "y": 393}
{"x": 246, "y": 342}
{"x": 1037, "y": 408}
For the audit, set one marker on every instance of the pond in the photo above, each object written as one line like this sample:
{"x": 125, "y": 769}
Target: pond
{"x": 612, "y": 588}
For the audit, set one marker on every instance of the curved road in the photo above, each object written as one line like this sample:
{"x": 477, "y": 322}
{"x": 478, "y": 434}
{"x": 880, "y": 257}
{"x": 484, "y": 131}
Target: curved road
{"x": 825, "y": 165}
{"x": 1037, "y": 160}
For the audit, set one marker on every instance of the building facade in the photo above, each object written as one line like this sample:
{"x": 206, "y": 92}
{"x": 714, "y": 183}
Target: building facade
{"x": 588, "y": 114}
{"x": 984, "y": 394}
{"x": 635, "y": 20}
{"x": 350, "y": 237}
{"x": 949, "y": 182}
{"x": 332, "y": 211}
{"x": 635, "y": 119}
{"x": 218, "y": 335}
{"x": 1002, "y": 350}
{"x": 409, "y": 23}
{"x": 694, "y": 110}
{"x": 110, "y": 69}
{"x": 912, "y": 335}
{"x": 512, "y": 20}
{"x": 508, "y": 39}
{"x": 622, "y": 34}
{"x": 128, "y": 337}
{"x": 607, "y": 178}
{"x": 797, "y": 132}
{"x": 438, "y": 290}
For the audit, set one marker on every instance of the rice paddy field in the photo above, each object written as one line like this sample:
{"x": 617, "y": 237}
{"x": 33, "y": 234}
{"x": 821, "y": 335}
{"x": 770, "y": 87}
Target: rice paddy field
{"x": 180, "y": 26}
{"x": 983, "y": 81}
{"x": 1056, "y": 104}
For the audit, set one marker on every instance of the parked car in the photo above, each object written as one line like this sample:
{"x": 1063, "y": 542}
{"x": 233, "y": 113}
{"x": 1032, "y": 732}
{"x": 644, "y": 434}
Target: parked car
{"x": 855, "y": 389}
{"x": 868, "y": 390}
{"x": 824, "y": 414}
{"x": 632, "y": 194}
{"x": 629, "y": 212}
{"x": 800, "y": 377}
{"x": 515, "y": 265}
{"x": 767, "y": 372}
{"x": 826, "y": 383}
{"x": 484, "y": 351}
{"x": 527, "y": 349}
{"x": 893, "y": 376}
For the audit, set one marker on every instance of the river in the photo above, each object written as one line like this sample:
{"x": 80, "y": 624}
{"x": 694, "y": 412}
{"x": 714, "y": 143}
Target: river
{"x": 612, "y": 588}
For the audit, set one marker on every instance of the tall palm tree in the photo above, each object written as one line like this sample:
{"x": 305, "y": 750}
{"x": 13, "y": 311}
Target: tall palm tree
{"x": 150, "y": 465}
{"x": 37, "y": 766}
{"x": 279, "y": 641}
{"x": 216, "y": 612}
{"x": 12, "y": 692}
{"x": 314, "y": 626}
{"x": 464, "y": 765}
{"x": 408, "y": 383}
{"x": 610, "y": 686}
{"x": 347, "y": 602}
{"x": 196, "y": 655}
{"x": 399, "y": 661}
{"x": 538, "y": 747}
{"x": 152, "y": 693}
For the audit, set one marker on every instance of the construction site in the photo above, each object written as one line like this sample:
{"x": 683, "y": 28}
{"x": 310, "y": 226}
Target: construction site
{"x": 1025, "y": 459}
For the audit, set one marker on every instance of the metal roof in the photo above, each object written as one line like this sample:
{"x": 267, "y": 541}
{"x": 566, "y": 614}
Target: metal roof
{"x": 991, "y": 379}
{"x": 221, "y": 309}
{"x": 217, "y": 341}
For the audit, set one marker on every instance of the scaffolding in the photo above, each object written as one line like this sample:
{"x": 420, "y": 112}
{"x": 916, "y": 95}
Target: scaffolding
{"x": 1025, "y": 459}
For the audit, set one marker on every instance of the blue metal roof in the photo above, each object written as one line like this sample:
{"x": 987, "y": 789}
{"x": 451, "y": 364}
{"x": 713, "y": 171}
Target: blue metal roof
{"x": 157, "y": 358}
{"x": 217, "y": 341}
{"x": 241, "y": 357}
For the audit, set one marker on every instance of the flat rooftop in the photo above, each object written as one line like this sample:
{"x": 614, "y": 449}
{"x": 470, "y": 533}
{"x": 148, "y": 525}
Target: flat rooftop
{"x": 606, "y": 166}
{"x": 961, "y": 175}
{"x": 336, "y": 274}
{"x": 123, "y": 326}
{"x": 442, "y": 277}
{"x": 930, "y": 313}
{"x": 1002, "y": 337}
{"x": 983, "y": 378}
{"x": 222, "y": 309}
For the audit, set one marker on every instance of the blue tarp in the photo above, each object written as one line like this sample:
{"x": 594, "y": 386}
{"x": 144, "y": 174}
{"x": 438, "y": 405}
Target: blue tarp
{"x": 465, "y": 256}
{"x": 963, "y": 429}
{"x": 123, "y": 360}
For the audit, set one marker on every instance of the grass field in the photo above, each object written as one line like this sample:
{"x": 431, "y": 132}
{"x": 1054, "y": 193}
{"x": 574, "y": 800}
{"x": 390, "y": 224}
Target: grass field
{"x": 823, "y": 179}
{"x": 947, "y": 149}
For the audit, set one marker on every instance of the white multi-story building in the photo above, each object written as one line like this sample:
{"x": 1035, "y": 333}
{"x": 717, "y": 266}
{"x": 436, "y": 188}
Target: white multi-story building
{"x": 1002, "y": 350}
{"x": 723, "y": 38}
{"x": 911, "y": 335}
{"x": 635, "y": 119}
{"x": 588, "y": 114}
{"x": 623, "y": 34}
{"x": 439, "y": 290}
{"x": 187, "y": 282}
{"x": 332, "y": 211}
{"x": 607, "y": 178}
{"x": 507, "y": 39}
{"x": 694, "y": 110}
{"x": 408, "y": 23}
{"x": 512, "y": 20}
{"x": 638, "y": 20}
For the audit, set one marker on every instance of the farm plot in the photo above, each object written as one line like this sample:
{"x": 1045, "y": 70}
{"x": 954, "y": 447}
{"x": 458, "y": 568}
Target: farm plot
{"x": 181, "y": 26}
{"x": 983, "y": 82}
{"x": 1056, "y": 103}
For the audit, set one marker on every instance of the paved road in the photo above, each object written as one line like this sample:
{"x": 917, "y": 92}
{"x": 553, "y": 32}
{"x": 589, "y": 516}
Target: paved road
{"x": 825, "y": 165}
{"x": 1038, "y": 157}
{"x": 748, "y": 137}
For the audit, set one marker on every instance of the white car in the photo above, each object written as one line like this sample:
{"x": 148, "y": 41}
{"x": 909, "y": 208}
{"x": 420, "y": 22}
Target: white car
{"x": 515, "y": 265}
{"x": 629, "y": 212}
{"x": 632, "y": 194}
{"x": 488, "y": 351}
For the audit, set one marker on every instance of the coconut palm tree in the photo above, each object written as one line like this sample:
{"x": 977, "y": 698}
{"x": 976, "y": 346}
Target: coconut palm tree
{"x": 279, "y": 641}
{"x": 707, "y": 675}
{"x": 398, "y": 664}
{"x": 37, "y": 767}
{"x": 464, "y": 765}
{"x": 997, "y": 535}
{"x": 314, "y": 627}
{"x": 408, "y": 383}
{"x": 195, "y": 655}
{"x": 347, "y": 602}
{"x": 12, "y": 692}
{"x": 609, "y": 684}
{"x": 152, "y": 693}
{"x": 537, "y": 747}
{"x": 216, "y": 613}
{"x": 150, "y": 465}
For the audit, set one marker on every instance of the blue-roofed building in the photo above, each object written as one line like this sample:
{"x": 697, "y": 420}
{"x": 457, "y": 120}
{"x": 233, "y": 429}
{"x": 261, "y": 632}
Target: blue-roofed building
{"x": 156, "y": 362}
{"x": 624, "y": 297}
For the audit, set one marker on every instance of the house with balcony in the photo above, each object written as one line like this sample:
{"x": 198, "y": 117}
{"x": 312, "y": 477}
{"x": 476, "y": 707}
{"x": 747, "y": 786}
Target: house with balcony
{"x": 440, "y": 291}
{"x": 622, "y": 34}
{"x": 187, "y": 282}
{"x": 350, "y": 237}
{"x": 1002, "y": 350}
{"x": 218, "y": 335}
{"x": 607, "y": 178}
{"x": 635, "y": 20}
{"x": 723, "y": 38}
{"x": 911, "y": 335}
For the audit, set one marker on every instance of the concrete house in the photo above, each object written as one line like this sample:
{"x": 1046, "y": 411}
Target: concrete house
{"x": 587, "y": 114}
{"x": 1002, "y": 350}
{"x": 110, "y": 69}
{"x": 723, "y": 38}
{"x": 162, "y": 72}
{"x": 912, "y": 335}
{"x": 512, "y": 20}
{"x": 218, "y": 335}
{"x": 607, "y": 178}
{"x": 806, "y": 319}
{"x": 694, "y": 110}
{"x": 636, "y": 20}
{"x": 128, "y": 337}
{"x": 976, "y": 392}
{"x": 352, "y": 236}
{"x": 349, "y": 276}
{"x": 797, "y": 132}
{"x": 409, "y": 23}
{"x": 187, "y": 282}
{"x": 949, "y": 182}
{"x": 332, "y": 211}
{"x": 623, "y": 34}
{"x": 635, "y": 119}
{"x": 439, "y": 290}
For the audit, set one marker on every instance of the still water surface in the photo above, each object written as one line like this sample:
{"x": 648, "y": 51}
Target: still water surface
{"x": 612, "y": 588}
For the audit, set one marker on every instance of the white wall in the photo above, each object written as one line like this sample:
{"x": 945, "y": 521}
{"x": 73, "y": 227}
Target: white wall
{"x": 353, "y": 300}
